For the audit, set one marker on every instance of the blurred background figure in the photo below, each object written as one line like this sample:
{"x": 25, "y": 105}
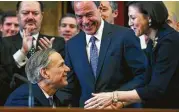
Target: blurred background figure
{"x": 68, "y": 26}
{"x": 10, "y": 24}
{"x": 109, "y": 10}
{"x": 47, "y": 73}
{"x": 173, "y": 20}
{"x": 1, "y": 13}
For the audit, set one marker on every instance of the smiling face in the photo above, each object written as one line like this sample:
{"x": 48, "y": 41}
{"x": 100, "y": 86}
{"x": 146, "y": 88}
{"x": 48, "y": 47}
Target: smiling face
{"x": 107, "y": 13}
{"x": 10, "y": 26}
{"x": 57, "y": 71}
{"x": 68, "y": 28}
{"x": 138, "y": 22}
{"x": 88, "y": 16}
{"x": 30, "y": 15}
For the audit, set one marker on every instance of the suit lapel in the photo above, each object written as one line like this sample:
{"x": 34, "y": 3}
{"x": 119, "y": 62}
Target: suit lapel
{"x": 105, "y": 42}
{"x": 38, "y": 94}
{"x": 17, "y": 41}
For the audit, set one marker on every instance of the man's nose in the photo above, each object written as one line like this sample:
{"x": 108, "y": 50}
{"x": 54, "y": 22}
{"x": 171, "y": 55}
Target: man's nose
{"x": 67, "y": 69}
{"x": 30, "y": 15}
{"x": 85, "y": 20}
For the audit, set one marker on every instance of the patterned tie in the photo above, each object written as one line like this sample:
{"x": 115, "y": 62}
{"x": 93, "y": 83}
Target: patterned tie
{"x": 93, "y": 55}
{"x": 32, "y": 50}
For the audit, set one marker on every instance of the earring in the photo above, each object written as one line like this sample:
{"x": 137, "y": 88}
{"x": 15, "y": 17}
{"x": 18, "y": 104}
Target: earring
{"x": 150, "y": 21}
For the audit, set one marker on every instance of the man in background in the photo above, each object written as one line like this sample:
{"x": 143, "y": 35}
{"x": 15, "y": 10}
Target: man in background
{"x": 10, "y": 24}
{"x": 173, "y": 20}
{"x": 109, "y": 10}
{"x": 68, "y": 26}
{"x": 1, "y": 13}
{"x": 17, "y": 49}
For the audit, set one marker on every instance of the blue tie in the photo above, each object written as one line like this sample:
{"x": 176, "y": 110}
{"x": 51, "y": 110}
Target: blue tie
{"x": 93, "y": 55}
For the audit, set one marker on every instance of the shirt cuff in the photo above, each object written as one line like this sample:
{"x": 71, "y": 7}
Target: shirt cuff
{"x": 20, "y": 58}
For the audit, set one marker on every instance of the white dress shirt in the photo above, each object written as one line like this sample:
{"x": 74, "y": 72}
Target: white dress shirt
{"x": 19, "y": 57}
{"x": 98, "y": 35}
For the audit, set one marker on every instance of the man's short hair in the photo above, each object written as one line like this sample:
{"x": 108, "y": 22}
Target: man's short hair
{"x": 7, "y": 14}
{"x": 19, "y": 2}
{"x": 36, "y": 62}
{"x": 114, "y": 5}
{"x": 97, "y": 3}
{"x": 1, "y": 13}
{"x": 67, "y": 15}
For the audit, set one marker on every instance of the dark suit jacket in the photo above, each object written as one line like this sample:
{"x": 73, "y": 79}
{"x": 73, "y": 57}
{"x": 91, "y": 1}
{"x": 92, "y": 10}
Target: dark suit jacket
{"x": 121, "y": 65}
{"x": 19, "y": 97}
{"x": 8, "y": 67}
{"x": 162, "y": 90}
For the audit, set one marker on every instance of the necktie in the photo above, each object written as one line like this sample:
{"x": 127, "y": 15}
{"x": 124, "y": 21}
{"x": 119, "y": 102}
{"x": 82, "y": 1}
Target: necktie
{"x": 51, "y": 101}
{"x": 93, "y": 55}
{"x": 32, "y": 50}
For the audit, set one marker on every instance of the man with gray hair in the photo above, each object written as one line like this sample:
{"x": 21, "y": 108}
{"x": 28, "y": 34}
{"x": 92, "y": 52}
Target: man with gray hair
{"x": 173, "y": 20}
{"x": 109, "y": 10}
{"x": 47, "y": 73}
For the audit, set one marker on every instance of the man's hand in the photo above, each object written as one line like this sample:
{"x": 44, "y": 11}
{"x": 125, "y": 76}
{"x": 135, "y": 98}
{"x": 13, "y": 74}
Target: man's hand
{"x": 45, "y": 43}
{"x": 27, "y": 39}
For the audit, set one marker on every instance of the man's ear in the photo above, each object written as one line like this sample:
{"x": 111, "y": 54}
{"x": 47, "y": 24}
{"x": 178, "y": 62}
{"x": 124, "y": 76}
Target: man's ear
{"x": 44, "y": 73}
{"x": 115, "y": 13}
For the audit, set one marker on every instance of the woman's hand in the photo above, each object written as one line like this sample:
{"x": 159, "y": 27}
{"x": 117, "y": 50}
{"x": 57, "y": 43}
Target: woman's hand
{"x": 98, "y": 100}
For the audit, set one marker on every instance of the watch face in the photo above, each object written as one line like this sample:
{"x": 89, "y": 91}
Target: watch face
{"x": 114, "y": 100}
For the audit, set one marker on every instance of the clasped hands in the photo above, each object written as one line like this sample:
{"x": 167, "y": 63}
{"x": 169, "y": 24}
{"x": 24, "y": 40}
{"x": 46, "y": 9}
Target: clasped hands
{"x": 103, "y": 100}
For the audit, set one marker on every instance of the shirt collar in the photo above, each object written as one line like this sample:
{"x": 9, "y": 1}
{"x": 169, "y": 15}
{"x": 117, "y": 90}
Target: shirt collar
{"x": 98, "y": 34}
{"x": 46, "y": 95}
{"x": 34, "y": 35}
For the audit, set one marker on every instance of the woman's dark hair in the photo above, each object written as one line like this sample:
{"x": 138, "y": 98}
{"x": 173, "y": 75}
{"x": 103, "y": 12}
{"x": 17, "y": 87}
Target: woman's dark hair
{"x": 156, "y": 10}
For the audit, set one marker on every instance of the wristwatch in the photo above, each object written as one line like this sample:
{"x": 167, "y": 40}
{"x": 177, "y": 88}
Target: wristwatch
{"x": 115, "y": 98}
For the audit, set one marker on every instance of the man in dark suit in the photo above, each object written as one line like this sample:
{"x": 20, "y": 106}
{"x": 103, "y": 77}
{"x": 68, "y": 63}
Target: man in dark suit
{"x": 15, "y": 50}
{"x": 47, "y": 71}
{"x": 114, "y": 61}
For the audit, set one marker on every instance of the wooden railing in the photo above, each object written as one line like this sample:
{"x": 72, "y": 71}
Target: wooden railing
{"x": 21, "y": 109}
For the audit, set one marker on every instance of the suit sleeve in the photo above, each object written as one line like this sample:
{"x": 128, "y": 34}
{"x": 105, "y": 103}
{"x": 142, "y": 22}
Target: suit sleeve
{"x": 166, "y": 64}
{"x": 136, "y": 60}
{"x": 7, "y": 67}
{"x": 70, "y": 94}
